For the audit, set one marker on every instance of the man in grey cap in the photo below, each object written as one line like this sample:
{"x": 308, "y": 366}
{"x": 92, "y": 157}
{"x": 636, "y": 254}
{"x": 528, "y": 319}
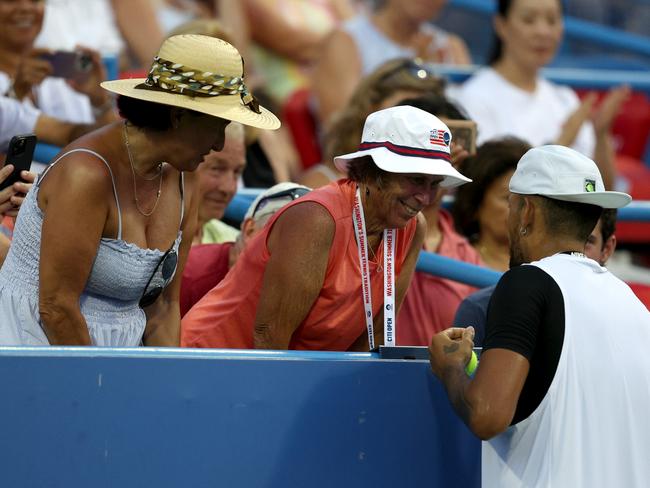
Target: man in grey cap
{"x": 562, "y": 389}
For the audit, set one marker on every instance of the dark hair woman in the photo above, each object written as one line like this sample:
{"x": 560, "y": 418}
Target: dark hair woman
{"x": 480, "y": 210}
{"x": 102, "y": 237}
{"x": 522, "y": 103}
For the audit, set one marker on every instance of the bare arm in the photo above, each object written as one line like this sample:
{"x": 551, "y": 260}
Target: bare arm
{"x": 138, "y": 23}
{"x": 294, "y": 273}
{"x": 274, "y": 31}
{"x": 486, "y": 403}
{"x": 74, "y": 198}
{"x": 58, "y": 132}
{"x": 603, "y": 118}
{"x": 459, "y": 51}
{"x": 336, "y": 74}
{"x": 4, "y": 248}
{"x": 164, "y": 315}
{"x": 232, "y": 14}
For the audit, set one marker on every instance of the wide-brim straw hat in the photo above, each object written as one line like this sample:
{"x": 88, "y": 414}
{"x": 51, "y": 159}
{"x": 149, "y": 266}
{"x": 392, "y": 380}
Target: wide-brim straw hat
{"x": 193, "y": 72}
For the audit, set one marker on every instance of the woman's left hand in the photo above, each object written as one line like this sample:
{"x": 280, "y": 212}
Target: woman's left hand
{"x": 89, "y": 83}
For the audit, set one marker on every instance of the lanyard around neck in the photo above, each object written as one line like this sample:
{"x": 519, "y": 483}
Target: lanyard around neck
{"x": 359, "y": 225}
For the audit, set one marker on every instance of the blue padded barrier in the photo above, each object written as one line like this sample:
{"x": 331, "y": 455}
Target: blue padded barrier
{"x": 103, "y": 418}
{"x": 637, "y": 211}
{"x": 456, "y": 270}
{"x": 577, "y": 78}
{"x": 44, "y": 153}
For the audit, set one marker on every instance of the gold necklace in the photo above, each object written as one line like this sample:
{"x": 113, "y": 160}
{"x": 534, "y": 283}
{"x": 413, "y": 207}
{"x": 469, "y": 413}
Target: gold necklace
{"x": 135, "y": 186}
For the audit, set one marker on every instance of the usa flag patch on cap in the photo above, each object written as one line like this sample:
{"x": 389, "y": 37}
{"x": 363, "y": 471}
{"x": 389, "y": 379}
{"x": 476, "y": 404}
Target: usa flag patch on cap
{"x": 439, "y": 137}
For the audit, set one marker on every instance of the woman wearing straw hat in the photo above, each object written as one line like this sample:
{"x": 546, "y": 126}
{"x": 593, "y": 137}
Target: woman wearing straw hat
{"x": 101, "y": 239}
{"x": 330, "y": 270}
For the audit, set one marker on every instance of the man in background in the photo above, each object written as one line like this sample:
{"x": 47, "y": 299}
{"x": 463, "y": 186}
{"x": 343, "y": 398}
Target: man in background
{"x": 208, "y": 264}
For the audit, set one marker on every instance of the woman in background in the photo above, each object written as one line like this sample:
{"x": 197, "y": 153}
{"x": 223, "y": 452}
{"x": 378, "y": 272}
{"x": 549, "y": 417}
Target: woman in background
{"x": 395, "y": 29}
{"x": 480, "y": 210}
{"x": 391, "y": 82}
{"x": 521, "y": 103}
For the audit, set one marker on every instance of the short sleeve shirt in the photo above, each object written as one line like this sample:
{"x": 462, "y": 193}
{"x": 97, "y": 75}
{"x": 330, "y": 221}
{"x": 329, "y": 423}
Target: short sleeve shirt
{"x": 526, "y": 316}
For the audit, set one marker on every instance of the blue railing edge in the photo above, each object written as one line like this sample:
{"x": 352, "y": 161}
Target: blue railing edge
{"x": 183, "y": 353}
{"x": 575, "y": 29}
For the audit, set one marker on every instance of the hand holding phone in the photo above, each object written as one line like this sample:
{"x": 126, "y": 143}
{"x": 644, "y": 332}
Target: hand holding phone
{"x": 71, "y": 65}
{"x": 19, "y": 155}
{"x": 463, "y": 132}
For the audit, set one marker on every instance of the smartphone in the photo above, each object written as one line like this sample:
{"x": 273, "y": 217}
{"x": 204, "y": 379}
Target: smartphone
{"x": 69, "y": 64}
{"x": 463, "y": 132}
{"x": 20, "y": 154}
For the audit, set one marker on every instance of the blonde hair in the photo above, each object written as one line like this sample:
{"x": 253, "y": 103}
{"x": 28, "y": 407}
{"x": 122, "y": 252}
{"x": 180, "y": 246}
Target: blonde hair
{"x": 344, "y": 133}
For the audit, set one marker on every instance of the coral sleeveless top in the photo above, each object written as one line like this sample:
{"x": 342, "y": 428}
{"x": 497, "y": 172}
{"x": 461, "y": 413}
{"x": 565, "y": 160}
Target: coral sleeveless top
{"x": 225, "y": 316}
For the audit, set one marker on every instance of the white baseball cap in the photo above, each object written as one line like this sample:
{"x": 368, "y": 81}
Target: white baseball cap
{"x": 406, "y": 139}
{"x": 561, "y": 173}
{"x": 273, "y": 199}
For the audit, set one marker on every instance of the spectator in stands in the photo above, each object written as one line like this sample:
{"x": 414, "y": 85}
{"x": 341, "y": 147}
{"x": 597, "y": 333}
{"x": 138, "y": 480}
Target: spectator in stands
{"x": 523, "y": 104}
{"x": 300, "y": 283}
{"x": 431, "y": 301}
{"x": 26, "y": 76}
{"x": 565, "y": 355}
{"x": 10, "y": 200}
{"x": 480, "y": 210}
{"x": 100, "y": 237}
{"x": 17, "y": 118}
{"x": 389, "y": 83}
{"x": 396, "y": 29}
{"x": 207, "y": 264}
{"x": 287, "y": 38}
{"x": 600, "y": 245}
{"x": 218, "y": 176}
{"x": 114, "y": 28}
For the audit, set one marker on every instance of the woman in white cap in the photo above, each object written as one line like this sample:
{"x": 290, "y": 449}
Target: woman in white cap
{"x": 102, "y": 237}
{"x": 330, "y": 269}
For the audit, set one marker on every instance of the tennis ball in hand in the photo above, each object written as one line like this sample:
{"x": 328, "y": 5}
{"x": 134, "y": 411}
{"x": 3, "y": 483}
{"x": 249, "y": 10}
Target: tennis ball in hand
{"x": 471, "y": 366}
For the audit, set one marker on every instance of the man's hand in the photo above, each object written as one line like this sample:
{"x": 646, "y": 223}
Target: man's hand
{"x": 451, "y": 349}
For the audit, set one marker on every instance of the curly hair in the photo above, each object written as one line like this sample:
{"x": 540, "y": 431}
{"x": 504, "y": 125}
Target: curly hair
{"x": 344, "y": 134}
{"x": 492, "y": 160}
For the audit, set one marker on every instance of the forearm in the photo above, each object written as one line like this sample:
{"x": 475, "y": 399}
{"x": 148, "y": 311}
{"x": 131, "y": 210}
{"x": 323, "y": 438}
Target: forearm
{"x": 163, "y": 325}
{"x": 604, "y": 157}
{"x": 138, "y": 23}
{"x": 63, "y": 324}
{"x": 456, "y": 382}
{"x": 4, "y": 248}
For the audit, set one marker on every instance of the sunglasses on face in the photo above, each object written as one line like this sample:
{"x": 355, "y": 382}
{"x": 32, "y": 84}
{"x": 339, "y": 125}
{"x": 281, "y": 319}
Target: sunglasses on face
{"x": 293, "y": 194}
{"x": 160, "y": 278}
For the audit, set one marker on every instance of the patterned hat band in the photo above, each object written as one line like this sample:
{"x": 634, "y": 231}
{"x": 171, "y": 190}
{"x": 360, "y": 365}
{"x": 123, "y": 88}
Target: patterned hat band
{"x": 177, "y": 78}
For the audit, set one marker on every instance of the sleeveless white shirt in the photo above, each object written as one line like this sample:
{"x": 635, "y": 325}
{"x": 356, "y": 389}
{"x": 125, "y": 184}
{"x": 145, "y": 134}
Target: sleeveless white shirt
{"x": 592, "y": 429}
